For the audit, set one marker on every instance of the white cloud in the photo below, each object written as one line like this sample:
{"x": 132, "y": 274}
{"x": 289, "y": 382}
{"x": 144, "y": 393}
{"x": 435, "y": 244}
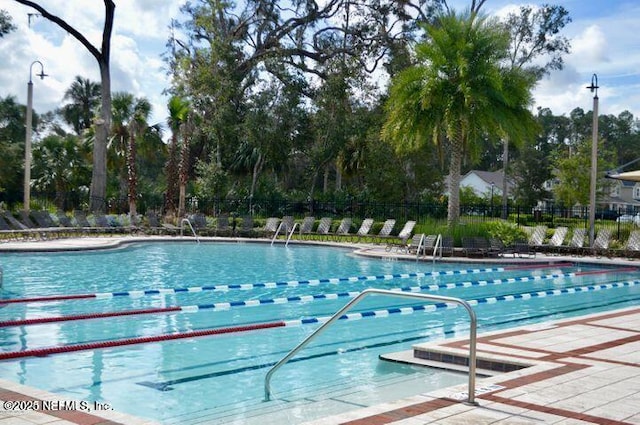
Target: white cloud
{"x": 604, "y": 43}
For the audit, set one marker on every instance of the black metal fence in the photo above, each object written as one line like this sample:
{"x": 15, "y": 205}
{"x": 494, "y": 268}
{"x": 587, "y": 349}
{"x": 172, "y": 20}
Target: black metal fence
{"x": 551, "y": 216}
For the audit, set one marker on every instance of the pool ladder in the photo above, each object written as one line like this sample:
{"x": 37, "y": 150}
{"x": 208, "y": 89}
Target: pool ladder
{"x": 472, "y": 334}
{"x": 188, "y": 223}
{"x": 436, "y": 246}
{"x": 283, "y": 226}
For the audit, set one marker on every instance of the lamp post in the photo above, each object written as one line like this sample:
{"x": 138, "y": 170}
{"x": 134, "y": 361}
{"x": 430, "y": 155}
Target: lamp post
{"x": 27, "y": 143}
{"x": 594, "y": 160}
{"x": 492, "y": 187}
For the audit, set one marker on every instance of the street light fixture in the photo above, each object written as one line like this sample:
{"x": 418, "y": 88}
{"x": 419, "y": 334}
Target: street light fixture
{"x": 594, "y": 160}
{"x": 27, "y": 144}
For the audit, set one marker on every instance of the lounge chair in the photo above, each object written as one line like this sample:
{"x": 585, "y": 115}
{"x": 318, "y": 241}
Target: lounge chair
{"x": 364, "y": 229}
{"x": 306, "y": 227}
{"x": 287, "y": 225}
{"x": 404, "y": 235}
{"x": 8, "y": 233}
{"x": 632, "y": 247}
{"x": 576, "y": 243}
{"x": 386, "y": 230}
{"x": 246, "y": 226}
{"x": 44, "y": 221}
{"x": 222, "y": 226}
{"x": 270, "y": 227}
{"x": 324, "y": 227}
{"x": 601, "y": 243}
{"x": 157, "y": 227}
{"x": 63, "y": 219}
{"x": 475, "y": 246}
{"x": 421, "y": 244}
{"x": 557, "y": 239}
{"x": 199, "y": 222}
{"x": 447, "y": 246}
{"x": 343, "y": 228}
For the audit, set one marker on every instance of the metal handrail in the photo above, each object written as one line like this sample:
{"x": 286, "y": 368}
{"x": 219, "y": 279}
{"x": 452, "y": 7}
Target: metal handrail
{"x": 186, "y": 220}
{"x": 275, "y": 235}
{"x": 435, "y": 248}
{"x": 356, "y": 300}
{"x": 420, "y": 244}
{"x": 293, "y": 229}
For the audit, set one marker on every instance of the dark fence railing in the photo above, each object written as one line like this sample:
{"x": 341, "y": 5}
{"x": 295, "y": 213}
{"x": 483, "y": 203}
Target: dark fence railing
{"x": 552, "y": 216}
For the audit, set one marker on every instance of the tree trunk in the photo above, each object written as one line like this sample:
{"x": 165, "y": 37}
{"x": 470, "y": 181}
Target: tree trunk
{"x": 132, "y": 176}
{"x": 453, "y": 208}
{"x": 103, "y": 125}
{"x": 172, "y": 176}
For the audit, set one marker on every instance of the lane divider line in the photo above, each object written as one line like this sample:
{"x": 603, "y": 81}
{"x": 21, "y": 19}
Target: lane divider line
{"x": 283, "y": 300}
{"x": 305, "y": 321}
{"x": 261, "y": 285}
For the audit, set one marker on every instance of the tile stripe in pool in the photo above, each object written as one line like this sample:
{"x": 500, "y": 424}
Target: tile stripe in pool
{"x": 305, "y": 321}
{"x": 282, "y": 300}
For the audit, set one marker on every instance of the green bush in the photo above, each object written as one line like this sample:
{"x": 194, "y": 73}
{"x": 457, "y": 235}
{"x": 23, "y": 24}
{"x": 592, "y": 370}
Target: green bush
{"x": 505, "y": 231}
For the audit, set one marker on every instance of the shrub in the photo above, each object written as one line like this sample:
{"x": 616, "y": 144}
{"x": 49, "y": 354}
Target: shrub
{"x": 505, "y": 231}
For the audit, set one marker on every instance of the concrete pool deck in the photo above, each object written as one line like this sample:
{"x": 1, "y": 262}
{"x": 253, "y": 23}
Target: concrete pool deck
{"x": 583, "y": 370}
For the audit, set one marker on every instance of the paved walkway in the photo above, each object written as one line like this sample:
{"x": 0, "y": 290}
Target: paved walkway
{"x": 581, "y": 371}
{"x": 584, "y": 370}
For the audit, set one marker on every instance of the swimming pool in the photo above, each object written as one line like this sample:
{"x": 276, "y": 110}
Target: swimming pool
{"x": 233, "y": 288}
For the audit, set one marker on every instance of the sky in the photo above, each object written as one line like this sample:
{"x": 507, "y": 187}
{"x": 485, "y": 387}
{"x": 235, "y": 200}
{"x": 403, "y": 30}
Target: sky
{"x": 603, "y": 36}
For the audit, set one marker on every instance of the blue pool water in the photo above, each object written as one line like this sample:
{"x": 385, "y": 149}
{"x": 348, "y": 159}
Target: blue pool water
{"x": 219, "y": 378}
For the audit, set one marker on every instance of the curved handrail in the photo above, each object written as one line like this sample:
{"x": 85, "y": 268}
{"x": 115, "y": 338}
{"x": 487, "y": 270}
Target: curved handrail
{"x": 435, "y": 247}
{"x": 186, "y": 220}
{"x": 293, "y": 229}
{"x": 275, "y": 235}
{"x": 356, "y": 300}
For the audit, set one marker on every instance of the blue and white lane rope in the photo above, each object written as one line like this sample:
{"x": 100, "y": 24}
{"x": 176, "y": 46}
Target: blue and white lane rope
{"x": 294, "y": 283}
{"x": 352, "y": 294}
{"x": 304, "y": 321}
{"x": 282, "y": 300}
{"x": 473, "y": 302}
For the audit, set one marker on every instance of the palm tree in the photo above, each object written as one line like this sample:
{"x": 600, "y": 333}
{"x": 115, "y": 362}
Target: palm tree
{"x": 85, "y": 101}
{"x": 178, "y": 113}
{"x": 130, "y": 118}
{"x": 460, "y": 89}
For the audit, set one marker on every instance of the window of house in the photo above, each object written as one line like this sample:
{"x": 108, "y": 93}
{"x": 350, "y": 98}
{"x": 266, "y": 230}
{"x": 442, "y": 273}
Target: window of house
{"x": 636, "y": 192}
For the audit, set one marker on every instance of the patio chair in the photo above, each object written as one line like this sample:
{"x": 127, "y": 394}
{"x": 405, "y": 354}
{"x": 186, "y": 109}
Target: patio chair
{"x": 422, "y": 244}
{"x": 632, "y": 247}
{"x": 343, "y": 228}
{"x": 270, "y": 227}
{"x": 287, "y": 225}
{"x": 222, "y": 226}
{"x": 386, "y": 230}
{"x": 246, "y": 226}
{"x": 475, "y": 246}
{"x": 306, "y": 228}
{"x": 447, "y": 246}
{"x": 404, "y": 235}
{"x": 21, "y": 229}
{"x": 536, "y": 238}
{"x": 364, "y": 229}
{"x": 63, "y": 219}
{"x": 199, "y": 222}
{"x": 601, "y": 243}
{"x": 557, "y": 239}
{"x": 576, "y": 244}
{"x": 324, "y": 227}
{"x": 8, "y": 233}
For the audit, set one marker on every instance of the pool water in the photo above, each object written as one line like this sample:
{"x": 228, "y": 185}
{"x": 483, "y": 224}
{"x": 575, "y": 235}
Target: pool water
{"x": 220, "y": 378}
